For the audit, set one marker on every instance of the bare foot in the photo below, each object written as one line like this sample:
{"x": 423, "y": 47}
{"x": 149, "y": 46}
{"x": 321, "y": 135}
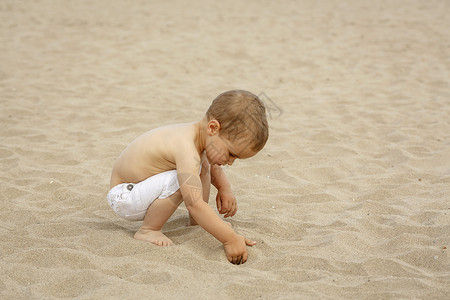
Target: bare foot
{"x": 153, "y": 236}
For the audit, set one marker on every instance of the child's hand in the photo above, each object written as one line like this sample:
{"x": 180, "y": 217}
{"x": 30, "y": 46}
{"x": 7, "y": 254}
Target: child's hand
{"x": 226, "y": 203}
{"x": 236, "y": 250}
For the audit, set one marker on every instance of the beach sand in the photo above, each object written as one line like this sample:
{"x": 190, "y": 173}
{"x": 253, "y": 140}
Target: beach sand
{"x": 349, "y": 198}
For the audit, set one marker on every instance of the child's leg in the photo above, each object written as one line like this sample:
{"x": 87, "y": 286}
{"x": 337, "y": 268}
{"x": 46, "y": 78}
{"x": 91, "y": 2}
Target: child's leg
{"x": 157, "y": 215}
{"x": 205, "y": 177}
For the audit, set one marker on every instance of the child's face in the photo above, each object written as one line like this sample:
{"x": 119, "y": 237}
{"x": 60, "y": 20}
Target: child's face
{"x": 221, "y": 151}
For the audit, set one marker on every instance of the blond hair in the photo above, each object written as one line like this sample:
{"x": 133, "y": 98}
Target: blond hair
{"x": 241, "y": 114}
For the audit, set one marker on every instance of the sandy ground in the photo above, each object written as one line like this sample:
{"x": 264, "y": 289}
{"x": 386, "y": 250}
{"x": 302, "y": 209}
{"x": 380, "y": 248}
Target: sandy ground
{"x": 349, "y": 198}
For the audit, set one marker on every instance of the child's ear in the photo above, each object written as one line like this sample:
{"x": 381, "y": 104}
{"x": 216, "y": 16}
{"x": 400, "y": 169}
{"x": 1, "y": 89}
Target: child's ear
{"x": 213, "y": 127}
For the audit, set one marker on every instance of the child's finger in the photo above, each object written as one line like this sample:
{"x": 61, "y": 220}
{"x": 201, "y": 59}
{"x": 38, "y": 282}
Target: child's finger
{"x": 230, "y": 213}
{"x": 219, "y": 204}
{"x": 249, "y": 242}
{"x": 225, "y": 206}
{"x": 244, "y": 257}
{"x": 234, "y": 209}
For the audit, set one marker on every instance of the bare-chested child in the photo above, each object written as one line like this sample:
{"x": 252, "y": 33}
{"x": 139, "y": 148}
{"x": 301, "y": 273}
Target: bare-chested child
{"x": 177, "y": 163}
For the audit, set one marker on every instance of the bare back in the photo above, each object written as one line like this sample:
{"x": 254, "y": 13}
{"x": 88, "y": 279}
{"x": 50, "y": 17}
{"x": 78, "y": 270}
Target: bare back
{"x": 154, "y": 152}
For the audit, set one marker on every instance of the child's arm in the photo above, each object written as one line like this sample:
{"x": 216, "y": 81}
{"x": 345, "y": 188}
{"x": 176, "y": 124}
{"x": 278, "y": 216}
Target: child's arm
{"x": 191, "y": 191}
{"x": 225, "y": 200}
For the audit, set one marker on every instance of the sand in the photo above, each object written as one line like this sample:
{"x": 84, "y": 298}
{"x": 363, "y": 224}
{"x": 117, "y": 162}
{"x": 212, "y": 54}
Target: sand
{"x": 349, "y": 198}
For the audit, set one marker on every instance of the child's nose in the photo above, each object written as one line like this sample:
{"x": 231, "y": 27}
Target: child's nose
{"x": 231, "y": 161}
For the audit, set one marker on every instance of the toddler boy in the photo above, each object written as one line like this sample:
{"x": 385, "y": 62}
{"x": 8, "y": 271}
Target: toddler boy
{"x": 171, "y": 164}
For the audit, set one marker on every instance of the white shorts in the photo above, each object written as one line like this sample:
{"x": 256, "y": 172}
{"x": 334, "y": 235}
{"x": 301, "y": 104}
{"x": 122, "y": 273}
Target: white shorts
{"x": 131, "y": 200}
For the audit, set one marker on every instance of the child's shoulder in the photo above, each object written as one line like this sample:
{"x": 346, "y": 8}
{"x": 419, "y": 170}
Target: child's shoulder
{"x": 183, "y": 128}
{"x": 178, "y": 133}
